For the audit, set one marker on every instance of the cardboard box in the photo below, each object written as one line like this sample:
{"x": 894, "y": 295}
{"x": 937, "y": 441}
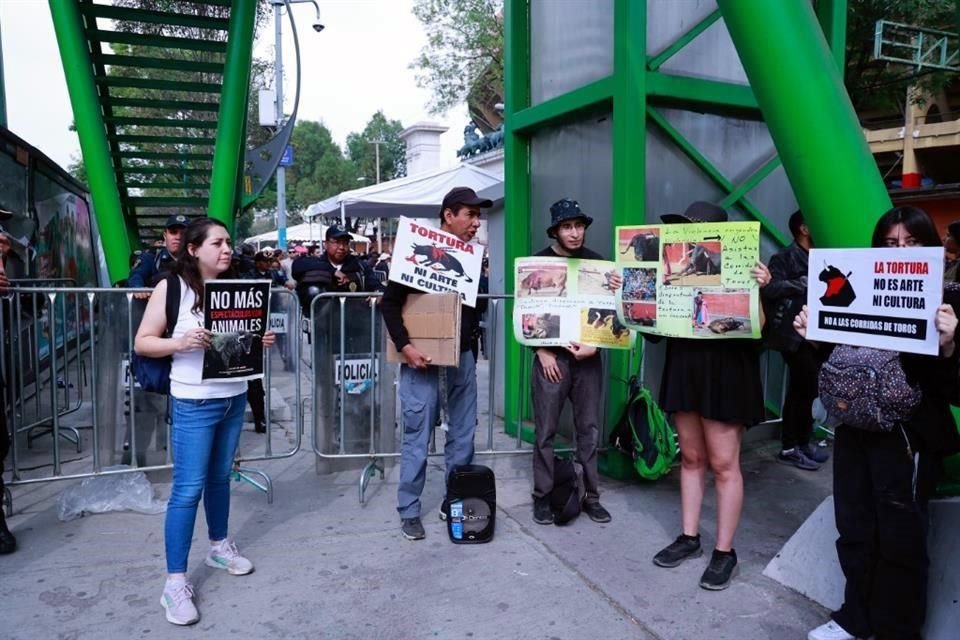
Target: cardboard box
{"x": 432, "y": 321}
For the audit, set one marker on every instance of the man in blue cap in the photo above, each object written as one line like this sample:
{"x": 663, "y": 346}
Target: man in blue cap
{"x": 153, "y": 264}
{"x": 573, "y": 372}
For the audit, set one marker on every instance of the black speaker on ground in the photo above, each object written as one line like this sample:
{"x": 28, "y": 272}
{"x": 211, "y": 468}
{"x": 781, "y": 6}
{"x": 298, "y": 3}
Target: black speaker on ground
{"x": 471, "y": 504}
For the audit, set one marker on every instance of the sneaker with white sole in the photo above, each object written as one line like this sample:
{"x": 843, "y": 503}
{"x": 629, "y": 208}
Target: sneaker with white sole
{"x": 224, "y": 555}
{"x": 177, "y": 601}
{"x": 830, "y": 631}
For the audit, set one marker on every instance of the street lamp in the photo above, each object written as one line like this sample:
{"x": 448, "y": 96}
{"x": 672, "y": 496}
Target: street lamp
{"x": 318, "y": 26}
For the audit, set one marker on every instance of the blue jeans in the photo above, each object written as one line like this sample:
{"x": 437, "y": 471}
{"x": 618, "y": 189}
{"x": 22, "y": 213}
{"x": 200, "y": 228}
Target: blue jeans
{"x": 204, "y": 437}
{"x": 418, "y": 400}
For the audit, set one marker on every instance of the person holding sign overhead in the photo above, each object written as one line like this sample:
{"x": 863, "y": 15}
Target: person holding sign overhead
{"x": 884, "y": 472}
{"x": 419, "y": 380}
{"x": 574, "y": 372}
{"x": 207, "y": 416}
{"x": 713, "y": 390}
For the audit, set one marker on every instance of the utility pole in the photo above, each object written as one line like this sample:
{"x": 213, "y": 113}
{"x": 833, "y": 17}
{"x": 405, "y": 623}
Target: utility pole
{"x": 376, "y": 146}
{"x": 281, "y": 170}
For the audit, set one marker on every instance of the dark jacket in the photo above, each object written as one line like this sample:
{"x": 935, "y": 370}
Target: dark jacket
{"x": 150, "y": 268}
{"x": 583, "y": 254}
{"x": 785, "y": 296}
{"x": 315, "y": 275}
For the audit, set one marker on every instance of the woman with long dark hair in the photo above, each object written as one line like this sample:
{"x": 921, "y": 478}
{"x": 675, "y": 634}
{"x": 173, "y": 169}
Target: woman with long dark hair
{"x": 207, "y": 417}
{"x": 883, "y": 479}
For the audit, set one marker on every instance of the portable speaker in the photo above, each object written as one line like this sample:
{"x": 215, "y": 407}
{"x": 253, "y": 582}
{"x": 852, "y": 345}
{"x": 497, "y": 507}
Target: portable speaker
{"x": 471, "y": 504}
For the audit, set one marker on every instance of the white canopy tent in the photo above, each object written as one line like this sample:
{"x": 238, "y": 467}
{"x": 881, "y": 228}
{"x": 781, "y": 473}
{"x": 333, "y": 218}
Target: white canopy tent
{"x": 307, "y": 232}
{"x": 414, "y": 196}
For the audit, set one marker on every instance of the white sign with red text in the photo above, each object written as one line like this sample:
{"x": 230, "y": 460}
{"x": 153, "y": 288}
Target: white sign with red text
{"x": 434, "y": 261}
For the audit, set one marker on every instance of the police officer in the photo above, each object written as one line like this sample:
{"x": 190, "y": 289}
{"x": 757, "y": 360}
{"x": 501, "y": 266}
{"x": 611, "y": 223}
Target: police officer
{"x": 334, "y": 270}
{"x": 154, "y": 263}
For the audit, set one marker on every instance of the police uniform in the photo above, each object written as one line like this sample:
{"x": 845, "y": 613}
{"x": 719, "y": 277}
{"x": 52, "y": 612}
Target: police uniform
{"x": 153, "y": 264}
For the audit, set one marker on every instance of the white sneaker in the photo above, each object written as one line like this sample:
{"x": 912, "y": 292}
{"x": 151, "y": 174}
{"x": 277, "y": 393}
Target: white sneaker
{"x": 177, "y": 601}
{"x": 830, "y": 631}
{"x": 224, "y": 555}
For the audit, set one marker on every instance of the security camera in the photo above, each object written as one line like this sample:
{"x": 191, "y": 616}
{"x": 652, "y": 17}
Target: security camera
{"x": 318, "y": 26}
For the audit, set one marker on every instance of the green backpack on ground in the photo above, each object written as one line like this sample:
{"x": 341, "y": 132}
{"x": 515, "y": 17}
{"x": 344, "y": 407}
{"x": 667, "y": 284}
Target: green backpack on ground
{"x": 644, "y": 434}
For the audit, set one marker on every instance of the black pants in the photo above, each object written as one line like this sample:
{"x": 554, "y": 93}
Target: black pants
{"x": 880, "y": 498}
{"x": 255, "y": 396}
{"x": 581, "y": 381}
{"x": 797, "y": 426}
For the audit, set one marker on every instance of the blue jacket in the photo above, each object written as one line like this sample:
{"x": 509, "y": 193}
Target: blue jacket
{"x": 150, "y": 268}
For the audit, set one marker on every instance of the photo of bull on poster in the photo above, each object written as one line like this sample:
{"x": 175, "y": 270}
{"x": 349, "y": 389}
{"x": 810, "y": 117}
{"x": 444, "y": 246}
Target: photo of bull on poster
{"x": 434, "y": 261}
{"x": 876, "y": 297}
{"x": 236, "y": 312}
{"x": 561, "y": 301}
{"x": 689, "y": 280}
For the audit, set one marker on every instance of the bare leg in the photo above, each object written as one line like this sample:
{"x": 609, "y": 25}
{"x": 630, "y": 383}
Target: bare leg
{"x": 693, "y": 469}
{"x": 723, "y": 448}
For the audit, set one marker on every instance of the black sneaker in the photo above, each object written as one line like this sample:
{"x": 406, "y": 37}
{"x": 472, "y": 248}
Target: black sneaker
{"x": 412, "y": 529}
{"x": 682, "y": 548}
{"x": 542, "y": 513}
{"x": 720, "y": 571}
{"x": 8, "y": 544}
{"x": 596, "y": 512}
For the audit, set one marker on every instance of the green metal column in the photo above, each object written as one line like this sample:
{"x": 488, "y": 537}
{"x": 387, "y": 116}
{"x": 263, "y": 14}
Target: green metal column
{"x": 806, "y": 107}
{"x": 517, "y": 191}
{"x": 91, "y": 130}
{"x": 231, "y": 118}
{"x": 833, "y": 19}
{"x": 629, "y": 158}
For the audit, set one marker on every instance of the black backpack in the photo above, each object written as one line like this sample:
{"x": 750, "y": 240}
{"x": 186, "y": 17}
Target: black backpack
{"x": 568, "y": 490}
{"x": 153, "y": 374}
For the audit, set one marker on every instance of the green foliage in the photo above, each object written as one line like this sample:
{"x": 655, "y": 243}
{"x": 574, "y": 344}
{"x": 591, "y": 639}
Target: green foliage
{"x": 464, "y": 42}
{"x": 882, "y": 86}
{"x": 363, "y": 153}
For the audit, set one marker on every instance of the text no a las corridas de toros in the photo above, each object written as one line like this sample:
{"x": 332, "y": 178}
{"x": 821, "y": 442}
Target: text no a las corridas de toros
{"x": 880, "y": 298}
{"x": 236, "y": 313}
{"x": 434, "y": 261}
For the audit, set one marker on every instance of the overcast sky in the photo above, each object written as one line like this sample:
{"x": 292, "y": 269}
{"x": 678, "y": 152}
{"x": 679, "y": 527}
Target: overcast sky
{"x": 356, "y": 66}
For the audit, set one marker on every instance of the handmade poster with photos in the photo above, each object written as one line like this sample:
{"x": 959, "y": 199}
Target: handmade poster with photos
{"x": 560, "y": 301}
{"x": 237, "y": 313}
{"x": 689, "y": 280}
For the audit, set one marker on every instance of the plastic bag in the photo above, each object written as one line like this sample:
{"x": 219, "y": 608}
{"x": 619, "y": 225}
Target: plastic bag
{"x": 115, "y": 492}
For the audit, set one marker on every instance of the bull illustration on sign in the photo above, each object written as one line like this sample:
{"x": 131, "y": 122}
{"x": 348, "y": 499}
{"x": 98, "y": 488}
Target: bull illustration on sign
{"x": 438, "y": 258}
{"x": 232, "y": 347}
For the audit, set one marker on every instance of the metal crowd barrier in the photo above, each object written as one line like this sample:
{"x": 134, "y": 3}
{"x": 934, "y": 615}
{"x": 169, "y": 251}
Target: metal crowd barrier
{"x": 98, "y": 337}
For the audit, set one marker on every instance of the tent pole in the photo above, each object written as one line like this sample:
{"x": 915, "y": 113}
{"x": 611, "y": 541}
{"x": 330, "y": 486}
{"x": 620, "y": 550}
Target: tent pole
{"x": 343, "y": 214}
{"x": 379, "y": 235}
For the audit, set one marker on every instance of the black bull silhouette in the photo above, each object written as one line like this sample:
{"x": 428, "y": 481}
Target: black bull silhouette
{"x": 232, "y": 346}
{"x": 599, "y": 317}
{"x": 436, "y": 255}
{"x": 646, "y": 247}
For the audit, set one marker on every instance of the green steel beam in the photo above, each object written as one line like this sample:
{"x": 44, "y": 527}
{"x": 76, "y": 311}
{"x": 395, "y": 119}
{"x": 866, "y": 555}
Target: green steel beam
{"x": 91, "y": 130}
{"x": 213, "y": 3}
{"x": 162, "y": 42}
{"x": 160, "y": 85}
{"x": 164, "y": 171}
{"x": 166, "y": 64}
{"x": 153, "y": 17}
{"x": 810, "y": 118}
{"x": 832, "y": 15}
{"x": 591, "y": 98}
{"x": 185, "y": 140}
{"x": 228, "y": 152}
{"x": 629, "y": 175}
{"x": 700, "y": 94}
{"x": 714, "y": 174}
{"x": 160, "y": 122}
{"x": 517, "y": 190}
{"x": 162, "y": 155}
{"x": 173, "y": 202}
{"x": 657, "y": 61}
{"x": 171, "y": 186}
{"x": 755, "y": 178}
{"x": 171, "y": 105}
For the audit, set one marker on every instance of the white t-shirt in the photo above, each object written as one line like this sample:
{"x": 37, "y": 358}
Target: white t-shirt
{"x": 187, "y": 368}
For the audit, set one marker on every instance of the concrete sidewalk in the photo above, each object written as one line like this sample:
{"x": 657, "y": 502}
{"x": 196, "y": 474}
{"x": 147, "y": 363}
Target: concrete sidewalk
{"x": 328, "y": 567}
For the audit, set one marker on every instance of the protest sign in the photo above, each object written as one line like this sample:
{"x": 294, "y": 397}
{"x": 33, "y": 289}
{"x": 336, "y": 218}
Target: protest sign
{"x": 236, "y": 313}
{"x": 689, "y": 280}
{"x": 434, "y": 261}
{"x": 881, "y": 298}
{"x": 560, "y": 301}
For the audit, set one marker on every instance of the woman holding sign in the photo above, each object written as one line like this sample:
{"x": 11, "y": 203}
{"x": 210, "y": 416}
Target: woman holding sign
{"x": 885, "y": 465}
{"x": 713, "y": 390}
{"x": 207, "y": 416}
